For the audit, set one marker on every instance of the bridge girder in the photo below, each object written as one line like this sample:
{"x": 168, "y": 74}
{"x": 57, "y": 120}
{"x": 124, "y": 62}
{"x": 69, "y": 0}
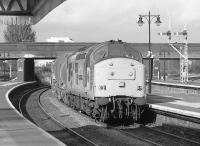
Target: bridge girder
{"x": 26, "y": 11}
{"x": 49, "y": 49}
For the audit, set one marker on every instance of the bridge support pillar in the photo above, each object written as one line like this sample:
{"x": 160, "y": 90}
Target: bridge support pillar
{"x": 26, "y": 70}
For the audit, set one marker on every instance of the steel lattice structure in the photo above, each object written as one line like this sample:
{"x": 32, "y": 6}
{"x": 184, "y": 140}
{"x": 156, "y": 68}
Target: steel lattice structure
{"x": 25, "y": 11}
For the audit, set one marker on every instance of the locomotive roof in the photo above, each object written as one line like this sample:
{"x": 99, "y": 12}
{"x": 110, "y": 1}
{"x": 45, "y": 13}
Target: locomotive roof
{"x": 109, "y": 49}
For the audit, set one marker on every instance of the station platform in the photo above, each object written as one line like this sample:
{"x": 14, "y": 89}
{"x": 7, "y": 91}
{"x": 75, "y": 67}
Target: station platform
{"x": 176, "y": 101}
{"x": 15, "y": 130}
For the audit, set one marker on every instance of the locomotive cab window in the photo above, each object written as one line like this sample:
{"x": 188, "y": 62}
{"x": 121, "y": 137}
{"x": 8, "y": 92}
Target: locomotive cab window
{"x": 133, "y": 53}
{"x": 124, "y": 50}
{"x": 99, "y": 54}
{"x": 115, "y": 50}
{"x": 80, "y": 56}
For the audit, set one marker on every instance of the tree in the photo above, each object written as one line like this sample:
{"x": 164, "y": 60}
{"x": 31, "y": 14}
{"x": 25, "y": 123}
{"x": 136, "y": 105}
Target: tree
{"x": 19, "y": 33}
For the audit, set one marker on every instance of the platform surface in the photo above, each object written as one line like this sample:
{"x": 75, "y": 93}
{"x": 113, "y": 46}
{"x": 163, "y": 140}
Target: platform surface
{"x": 175, "y": 101}
{"x": 17, "y": 131}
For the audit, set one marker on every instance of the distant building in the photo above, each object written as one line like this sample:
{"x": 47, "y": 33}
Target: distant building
{"x": 59, "y": 39}
{"x": 41, "y": 63}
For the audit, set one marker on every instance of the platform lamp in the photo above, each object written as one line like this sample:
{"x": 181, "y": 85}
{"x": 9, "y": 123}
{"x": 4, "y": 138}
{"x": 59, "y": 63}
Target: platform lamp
{"x": 140, "y": 22}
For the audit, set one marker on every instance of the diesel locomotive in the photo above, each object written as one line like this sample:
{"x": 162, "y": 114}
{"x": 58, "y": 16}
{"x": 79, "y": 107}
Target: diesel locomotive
{"x": 105, "y": 81}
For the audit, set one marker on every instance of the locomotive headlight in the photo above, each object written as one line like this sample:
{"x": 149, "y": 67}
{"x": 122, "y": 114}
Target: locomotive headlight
{"x": 112, "y": 73}
{"x": 130, "y": 74}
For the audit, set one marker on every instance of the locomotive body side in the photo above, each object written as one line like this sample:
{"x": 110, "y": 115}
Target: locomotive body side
{"x": 59, "y": 76}
{"x": 76, "y": 80}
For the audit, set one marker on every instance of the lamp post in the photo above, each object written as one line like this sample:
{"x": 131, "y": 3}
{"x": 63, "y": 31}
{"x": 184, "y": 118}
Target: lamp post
{"x": 149, "y": 18}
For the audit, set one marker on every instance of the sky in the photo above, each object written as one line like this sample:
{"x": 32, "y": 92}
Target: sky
{"x": 102, "y": 20}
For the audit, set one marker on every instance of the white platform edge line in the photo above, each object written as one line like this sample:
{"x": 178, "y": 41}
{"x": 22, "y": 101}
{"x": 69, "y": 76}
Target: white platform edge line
{"x": 174, "y": 110}
{"x": 40, "y": 129}
{"x": 173, "y": 84}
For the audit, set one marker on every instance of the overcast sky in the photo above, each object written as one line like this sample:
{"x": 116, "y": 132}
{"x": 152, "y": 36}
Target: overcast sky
{"x": 102, "y": 20}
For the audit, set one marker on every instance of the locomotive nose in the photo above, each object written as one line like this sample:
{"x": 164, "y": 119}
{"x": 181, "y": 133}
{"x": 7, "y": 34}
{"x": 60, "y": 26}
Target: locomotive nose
{"x": 121, "y": 76}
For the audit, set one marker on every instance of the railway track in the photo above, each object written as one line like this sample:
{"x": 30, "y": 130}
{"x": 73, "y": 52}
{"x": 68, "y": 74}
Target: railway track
{"x": 34, "y": 110}
{"x": 30, "y": 107}
{"x": 101, "y": 135}
{"x": 157, "y": 137}
{"x": 152, "y": 136}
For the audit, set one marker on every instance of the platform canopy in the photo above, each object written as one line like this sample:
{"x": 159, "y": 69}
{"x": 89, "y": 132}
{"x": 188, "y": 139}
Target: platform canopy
{"x": 25, "y": 11}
